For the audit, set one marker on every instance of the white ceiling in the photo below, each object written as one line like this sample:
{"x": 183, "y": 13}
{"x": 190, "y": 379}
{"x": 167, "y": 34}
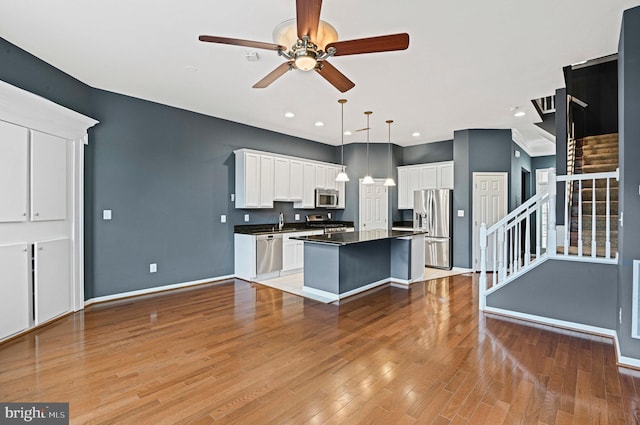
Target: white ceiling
{"x": 468, "y": 62}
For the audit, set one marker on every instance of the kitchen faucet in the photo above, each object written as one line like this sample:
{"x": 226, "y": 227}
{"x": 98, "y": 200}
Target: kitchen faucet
{"x": 280, "y": 221}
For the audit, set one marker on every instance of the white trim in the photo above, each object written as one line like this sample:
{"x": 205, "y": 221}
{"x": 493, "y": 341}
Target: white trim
{"x": 363, "y": 288}
{"x": 594, "y": 330}
{"x": 156, "y": 289}
{"x": 583, "y": 259}
{"x": 320, "y": 293}
{"x": 635, "y": 300}
{"x": 516, "y": 275}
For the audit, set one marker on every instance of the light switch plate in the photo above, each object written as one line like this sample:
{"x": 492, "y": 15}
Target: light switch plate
{"x": 329, "y": 215}
{"x": 153, "y": 267}
{"x": 246, "y": 217}
{"x": 106, "y": 214}
{"x": 297, "y": 217}
{"x": 460, "y": 213}
{"x": 233, "y": 197}
{"x": 223, "y": 218}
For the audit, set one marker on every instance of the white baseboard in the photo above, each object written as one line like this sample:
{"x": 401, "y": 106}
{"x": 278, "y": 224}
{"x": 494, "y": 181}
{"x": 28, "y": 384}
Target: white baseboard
{"x": 593, "y": 330}
{"x": 154, "y": 290}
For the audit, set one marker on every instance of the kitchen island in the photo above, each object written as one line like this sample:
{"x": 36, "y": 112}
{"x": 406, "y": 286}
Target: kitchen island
{"x": 339, "y": 265}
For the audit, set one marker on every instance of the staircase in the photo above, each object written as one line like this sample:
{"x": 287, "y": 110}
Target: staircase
{"x": 594, "y": 154}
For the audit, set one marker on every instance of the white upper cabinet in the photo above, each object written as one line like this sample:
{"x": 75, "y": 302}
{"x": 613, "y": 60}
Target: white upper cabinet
{"x": 48, "y": 177}
{"x": 438, "y": 175}
{"x": 266, "y": 181}
{"x": 14, "y": 173}
{"x": 296, "y": 169}
{"x": 281, "y": 179}
{"x": 262, "y": 178}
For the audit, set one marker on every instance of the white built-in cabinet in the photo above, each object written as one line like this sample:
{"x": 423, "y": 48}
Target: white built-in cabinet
{"x": 293, "y": 250}
{"x": 263, "y": 177}
{"x": 437, "y": 175}
{"x": 41, "y": 210}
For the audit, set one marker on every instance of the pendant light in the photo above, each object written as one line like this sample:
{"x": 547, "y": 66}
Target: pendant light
{"x": 389, "y": 181}
{"x": 368, "y": 179}
{"x": 342, "y": 175}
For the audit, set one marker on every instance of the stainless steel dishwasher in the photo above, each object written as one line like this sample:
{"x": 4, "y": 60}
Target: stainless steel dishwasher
{"x": 268, "y": 253}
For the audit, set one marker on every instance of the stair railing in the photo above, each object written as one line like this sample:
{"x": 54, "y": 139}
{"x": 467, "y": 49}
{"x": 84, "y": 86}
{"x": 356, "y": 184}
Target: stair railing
{"x": 602, "y": 180}
{"x": 505, "y": 247}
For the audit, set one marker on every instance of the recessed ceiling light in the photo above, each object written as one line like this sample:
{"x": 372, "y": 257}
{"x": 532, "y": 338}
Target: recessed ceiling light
{"x": 289, "y": 114}
{"x": 519, "y": 114}
{"x": 348, "y": 133}
{"x": 319, "y": 124}
{"x": 416, "y": 134}
{"x": 191, "y": 68}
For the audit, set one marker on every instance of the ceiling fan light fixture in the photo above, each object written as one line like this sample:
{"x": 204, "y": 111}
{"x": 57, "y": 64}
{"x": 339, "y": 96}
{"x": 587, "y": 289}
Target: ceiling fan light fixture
{"x": 305, "y": 60}
{"x": 286, "y": 34}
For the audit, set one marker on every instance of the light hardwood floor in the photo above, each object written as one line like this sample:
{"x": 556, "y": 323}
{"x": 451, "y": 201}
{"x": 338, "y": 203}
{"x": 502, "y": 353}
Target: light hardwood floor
{"x": 237, "y": 353}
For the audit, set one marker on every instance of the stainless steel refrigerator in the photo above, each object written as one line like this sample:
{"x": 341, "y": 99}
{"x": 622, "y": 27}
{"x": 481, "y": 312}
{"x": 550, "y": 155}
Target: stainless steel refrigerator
{"x": 432, "y": 213}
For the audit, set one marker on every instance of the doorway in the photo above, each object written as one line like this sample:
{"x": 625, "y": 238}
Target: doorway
{"x": 374, "y": 206}
{"x": 489, "y": 206}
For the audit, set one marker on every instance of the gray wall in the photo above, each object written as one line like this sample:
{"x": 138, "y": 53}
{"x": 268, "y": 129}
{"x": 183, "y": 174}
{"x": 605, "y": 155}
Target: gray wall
{"x": 559, "y": 290}
{"x": 428, "y": 152}
{"x": 474, "y": 151}
{"x": 517, "y": 166}
{"x": 629, "y": 127}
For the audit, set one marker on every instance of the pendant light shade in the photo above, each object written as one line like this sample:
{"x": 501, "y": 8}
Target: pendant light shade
{"x": 342, "y": 175}
{"x": 368, "y": 179}
{"x": 389, "y": 181}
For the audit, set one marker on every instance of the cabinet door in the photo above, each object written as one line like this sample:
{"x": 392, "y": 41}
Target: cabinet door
{"x": 281, "y": 175}
{"x": 13, "y": 172}
{"x": 14, "y": 289}
{"x": 52, "y": 285}
{"x": 289, "y": 254}
{"x": 340, "y": 186}
{"x": 403, "y": 188}
{"x": 266, "y": 181}
{"x": 251, "y": 184}
{"x": 321, "y": 176}
{"x": 48, "y": 177}
{"x": 332, "y": 173}
{"x": 309, "y": 182}
{"x": 299, "y": 255}
{"x": 445, "y": 176}
{"x": 414, "y": 184}
{"x": 429, "y": 177}
{"x": 296, "y": 180}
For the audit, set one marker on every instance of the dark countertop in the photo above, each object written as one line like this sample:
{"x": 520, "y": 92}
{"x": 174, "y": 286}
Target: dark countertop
{"x": 348, "y": 238}
{"x": 259, "y": 229}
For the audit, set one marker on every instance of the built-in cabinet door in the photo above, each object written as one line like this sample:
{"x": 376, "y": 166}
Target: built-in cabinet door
{"x": 48, "y": 177}
{"x": 445, "y": 176}
{"x": 428, "y": 178}
{"x": 266, "y": 181}
{"x": 14, "y": 289}
{"x": 403, "y": 189}
{"x": 14, "y": 143}
{"x": 296, "y": 182}
{"x": 289, "y": 254}
{"x": 52, "y": 279}
{"x": 321, "y": 176}
{"x": 251, "y": 181}
{"x": 332, "y": 173}
{"x": 281, "y": 177}
{"x": 309, "y": 184}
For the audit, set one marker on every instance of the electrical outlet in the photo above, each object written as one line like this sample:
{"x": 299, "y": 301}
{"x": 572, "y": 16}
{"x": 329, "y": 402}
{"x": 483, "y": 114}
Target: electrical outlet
{"x": 233, "y": 197}
{"x": 246, "y": 217}
{"x": 620, "y": 315}
{"x": 297, "y": 217}
{"x": 153, "y": 267}
{"x": 106, "y": 214}
{"x": 223, "y": 218}
{"x": 329, "y": 215}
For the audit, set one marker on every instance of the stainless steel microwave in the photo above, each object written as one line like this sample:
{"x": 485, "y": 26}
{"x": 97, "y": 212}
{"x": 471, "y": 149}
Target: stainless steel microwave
{"x": 326, "y": 198}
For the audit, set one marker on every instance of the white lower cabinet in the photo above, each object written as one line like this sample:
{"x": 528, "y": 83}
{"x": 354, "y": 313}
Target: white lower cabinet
{"x": 52, "y": 289}
{"x": 293, "y": 250}
{"x": 14, "y": 289}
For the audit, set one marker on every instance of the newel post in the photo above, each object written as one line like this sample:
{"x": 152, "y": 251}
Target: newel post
{"x": 483, "y": 266}
{"x": 551, "y": 230}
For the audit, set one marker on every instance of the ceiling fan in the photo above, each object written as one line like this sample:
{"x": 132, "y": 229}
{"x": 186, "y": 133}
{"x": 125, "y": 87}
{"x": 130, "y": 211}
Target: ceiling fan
{"x": 314, "y": 41}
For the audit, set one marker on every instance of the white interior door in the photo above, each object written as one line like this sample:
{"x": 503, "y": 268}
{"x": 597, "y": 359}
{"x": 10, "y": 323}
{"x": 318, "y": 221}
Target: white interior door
{"x": 489, "y": 206}
{"x": 374, "y": 202}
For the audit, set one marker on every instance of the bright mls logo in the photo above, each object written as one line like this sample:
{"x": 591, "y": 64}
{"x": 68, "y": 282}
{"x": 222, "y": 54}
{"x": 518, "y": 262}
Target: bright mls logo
{"x": 34, "y": 413}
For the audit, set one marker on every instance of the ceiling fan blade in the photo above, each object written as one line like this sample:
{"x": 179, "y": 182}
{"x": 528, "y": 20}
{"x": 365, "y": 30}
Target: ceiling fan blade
{"x": 308, "y": 17}
{"x": 383, "y": 43}
{"x": 273, "y": 75}
{"x": 335, "y": 77}
{"x": 239, "y": 42}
